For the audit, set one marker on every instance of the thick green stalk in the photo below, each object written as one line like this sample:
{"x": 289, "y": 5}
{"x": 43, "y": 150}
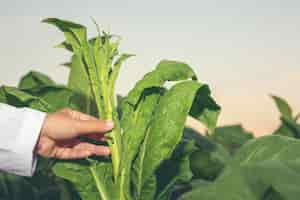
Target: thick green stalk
{"x": 114, "y": 143}
{"x": 102, "y": 63}
{"x": 122, "y": 182}
{"x": 107, "y": 112}
{"x": 115, "y": 150}
{"x": 100, "y": 187}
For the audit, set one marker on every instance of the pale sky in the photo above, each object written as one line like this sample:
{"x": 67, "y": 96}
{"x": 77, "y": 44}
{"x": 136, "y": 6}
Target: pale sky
{"x": 245, "y": 50}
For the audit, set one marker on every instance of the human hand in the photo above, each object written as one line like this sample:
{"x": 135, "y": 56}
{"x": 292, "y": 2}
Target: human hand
{"x": 59, "y": 137}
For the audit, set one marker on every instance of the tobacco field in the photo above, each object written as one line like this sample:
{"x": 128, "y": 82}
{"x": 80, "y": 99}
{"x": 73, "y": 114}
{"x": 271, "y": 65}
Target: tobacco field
{"x": 153, "y": 155}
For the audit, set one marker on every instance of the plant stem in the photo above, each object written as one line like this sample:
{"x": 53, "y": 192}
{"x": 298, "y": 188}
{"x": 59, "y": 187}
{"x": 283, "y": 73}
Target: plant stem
{"x": 99, "y": 185}
{"x": 109, "y": 114}
{"x": 105, "y": 112}
{"x": 122, "y": 182}
{"x": 115, "y": 158}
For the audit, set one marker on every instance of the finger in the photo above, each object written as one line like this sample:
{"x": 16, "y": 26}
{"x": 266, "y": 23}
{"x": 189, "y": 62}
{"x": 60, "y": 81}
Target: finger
{"x": 95, "y": 149}
{"x": 70, "y": 153}
{"x": 78, "y": 115}
{"x": 102, "y": 151}
{"x": 92, "y": 126}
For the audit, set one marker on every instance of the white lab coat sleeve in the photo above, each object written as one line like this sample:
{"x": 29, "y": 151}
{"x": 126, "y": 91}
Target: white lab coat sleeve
{"x": 19, "y": 132}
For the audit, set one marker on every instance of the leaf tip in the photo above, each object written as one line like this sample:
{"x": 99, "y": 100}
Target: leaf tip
{"x": 47, "y": 20}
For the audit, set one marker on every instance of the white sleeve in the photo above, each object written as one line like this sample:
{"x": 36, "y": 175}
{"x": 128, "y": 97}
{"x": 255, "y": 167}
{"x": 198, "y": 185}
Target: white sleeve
{"x": 19, "y": 132}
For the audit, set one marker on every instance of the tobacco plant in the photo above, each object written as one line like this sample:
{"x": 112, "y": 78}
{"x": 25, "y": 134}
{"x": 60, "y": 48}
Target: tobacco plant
{"x": 149, "y": 121}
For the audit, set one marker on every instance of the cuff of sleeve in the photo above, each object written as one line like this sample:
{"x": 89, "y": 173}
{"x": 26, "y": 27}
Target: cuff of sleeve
{"x": 28, "y": 138}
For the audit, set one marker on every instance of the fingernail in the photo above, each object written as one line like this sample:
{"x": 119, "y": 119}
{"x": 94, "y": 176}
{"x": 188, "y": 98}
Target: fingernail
{"x": 106, "y": 151}
{"x": 109, "y": 123}
{"x": 87, "y": 153}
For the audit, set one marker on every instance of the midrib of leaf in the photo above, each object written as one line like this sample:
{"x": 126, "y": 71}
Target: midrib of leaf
{"x": 141, "y": 162}
{"x": 47, "y": 106}
{"x": 93, "y": 78}
{"x": 100, "y": 186}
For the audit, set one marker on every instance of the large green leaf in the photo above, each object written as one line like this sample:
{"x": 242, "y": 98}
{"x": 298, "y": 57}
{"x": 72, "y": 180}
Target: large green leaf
{"x": 19, "y": 98}
{"x": 44, "y": 98}
{"x": 34, "y": 79}
{"x": 137, "y": 109}
{"x": 58, "y": 97}
{"x": 75, "y": 34}
{"x": 93, "y": 181}
{"x": 83, "y": 77}
{"x": 134, "y": 123}
{"x": 263, "y": 164}
{"x": 79, "y": 82}
{"x": 167, "y": 123}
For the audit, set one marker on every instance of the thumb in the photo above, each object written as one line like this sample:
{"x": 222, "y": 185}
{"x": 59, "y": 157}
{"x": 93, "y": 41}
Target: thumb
{"x": 84, "y": 127}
